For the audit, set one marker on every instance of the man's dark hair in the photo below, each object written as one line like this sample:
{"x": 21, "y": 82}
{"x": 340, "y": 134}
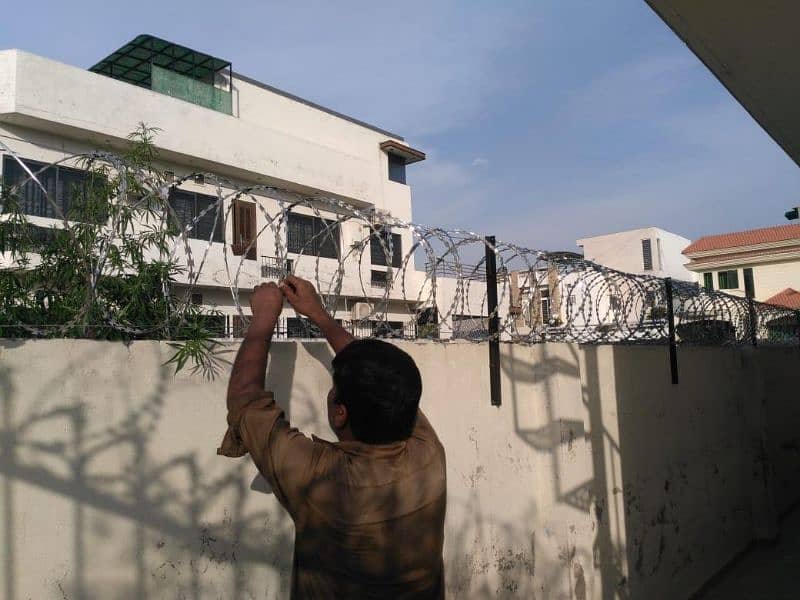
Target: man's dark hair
{"x": 380, "y": 386}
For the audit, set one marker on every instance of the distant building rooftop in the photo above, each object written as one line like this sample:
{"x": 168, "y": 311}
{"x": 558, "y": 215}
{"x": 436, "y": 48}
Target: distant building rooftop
{"x": 790, "y": 298}
{"x": 197, "y": 77}
{"x": 739, "y": 239}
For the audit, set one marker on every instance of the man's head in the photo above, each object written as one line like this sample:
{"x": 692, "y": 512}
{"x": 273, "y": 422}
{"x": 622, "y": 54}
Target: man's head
{"x": 376, "y": 391}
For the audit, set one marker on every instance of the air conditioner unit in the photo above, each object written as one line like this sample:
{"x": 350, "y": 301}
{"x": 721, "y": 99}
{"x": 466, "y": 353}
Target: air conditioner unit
{"x": 361, "y": 310}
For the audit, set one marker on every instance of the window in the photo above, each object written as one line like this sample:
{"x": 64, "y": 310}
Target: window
{"x": 544, "y": 297}
{"x": 749, "y": 285}
{"x": 67, "y": 188}
{"x": 190, "y": 205}
{"x": 728, "y": 280}
{"x": 397, "y": 168}
{"x": 647, "y": 255}
{"x": 708, "y": 281}
{"x": 379, "y": 279}
{"x": 244, "y": 229}
{"x": 383, "y": 242}
{"x": 312, "y": 236}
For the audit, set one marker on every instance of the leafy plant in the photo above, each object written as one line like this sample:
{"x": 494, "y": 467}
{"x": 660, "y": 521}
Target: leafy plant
{"x": 428, "y": 331}
{"x": 107, "y": 271}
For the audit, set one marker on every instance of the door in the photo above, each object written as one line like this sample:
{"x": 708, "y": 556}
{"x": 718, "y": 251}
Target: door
{"x": 244, "y": 229}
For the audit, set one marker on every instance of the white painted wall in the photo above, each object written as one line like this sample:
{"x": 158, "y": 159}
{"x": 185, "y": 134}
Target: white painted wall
{"x": 596, "y": 478}
{"x": 623, "y": 251}
{"x": 49, "y": 111}
{"x": 271, "y": 139}
{"x": 220, "y": 268}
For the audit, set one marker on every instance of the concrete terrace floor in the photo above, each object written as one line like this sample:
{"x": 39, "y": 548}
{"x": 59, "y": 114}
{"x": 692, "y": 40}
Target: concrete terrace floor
{"x": 765, "y": 572}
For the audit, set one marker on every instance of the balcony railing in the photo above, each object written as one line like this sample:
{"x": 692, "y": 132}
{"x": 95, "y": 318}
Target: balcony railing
{"x": 273, "y": 267}
{"x": 379, "y": 279}
{"x": 445, "y": 268}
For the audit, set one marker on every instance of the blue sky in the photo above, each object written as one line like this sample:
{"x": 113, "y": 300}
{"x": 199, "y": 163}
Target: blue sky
{"x": 543, "y": 121}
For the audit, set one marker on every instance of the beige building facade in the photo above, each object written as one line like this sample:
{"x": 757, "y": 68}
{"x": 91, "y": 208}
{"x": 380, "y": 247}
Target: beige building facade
{"x": 759, "y": 263}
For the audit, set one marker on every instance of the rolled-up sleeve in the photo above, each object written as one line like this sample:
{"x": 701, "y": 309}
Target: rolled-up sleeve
{"x": 285, "y": 457}
{"x": 241, "y": 435}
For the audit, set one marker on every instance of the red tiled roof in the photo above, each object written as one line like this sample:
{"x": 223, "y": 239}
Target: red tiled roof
{"x": 745, "y": 238}
{"x": 789, "y": 298}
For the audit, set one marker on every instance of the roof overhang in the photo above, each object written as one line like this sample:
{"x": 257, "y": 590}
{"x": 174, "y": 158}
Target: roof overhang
{"x": 407, "y": 153}
{"x": 752, "y": 47}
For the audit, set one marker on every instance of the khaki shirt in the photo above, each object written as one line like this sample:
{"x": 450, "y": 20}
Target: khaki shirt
{"x": 369, "y": 519}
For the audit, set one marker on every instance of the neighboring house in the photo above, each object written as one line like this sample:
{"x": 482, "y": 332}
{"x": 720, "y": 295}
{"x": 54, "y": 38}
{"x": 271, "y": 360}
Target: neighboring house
{"x": 759, "y": 263}
{"x": 648, "y": 251}
{"x": 215, "y": 120}
{"x": 788, "y": 298}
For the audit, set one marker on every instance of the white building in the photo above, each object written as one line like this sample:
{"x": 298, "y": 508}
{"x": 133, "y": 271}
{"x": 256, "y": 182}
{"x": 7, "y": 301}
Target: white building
{"x": 649, "y": 251}
{"x": 215, "y": 120}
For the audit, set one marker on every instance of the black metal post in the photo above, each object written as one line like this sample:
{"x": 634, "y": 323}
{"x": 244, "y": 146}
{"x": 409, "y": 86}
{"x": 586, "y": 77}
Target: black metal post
{"x": 494, "y": 322}
{"x": 673, "y": 344}
{"x": 797, "y": 314}
{"x": 751, "y": 310}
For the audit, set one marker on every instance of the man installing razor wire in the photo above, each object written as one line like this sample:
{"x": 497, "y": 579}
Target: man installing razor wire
{"x": 369, "y": 509}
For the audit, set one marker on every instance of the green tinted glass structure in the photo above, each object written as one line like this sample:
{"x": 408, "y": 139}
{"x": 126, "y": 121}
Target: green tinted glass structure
{"x": 173, "y": 70}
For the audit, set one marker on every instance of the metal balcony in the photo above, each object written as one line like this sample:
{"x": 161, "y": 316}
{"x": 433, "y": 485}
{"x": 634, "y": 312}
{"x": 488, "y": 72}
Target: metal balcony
{"x": 273, "y": 267}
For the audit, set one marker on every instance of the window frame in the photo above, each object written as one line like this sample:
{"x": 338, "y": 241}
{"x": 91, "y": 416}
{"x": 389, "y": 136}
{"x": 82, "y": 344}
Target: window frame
{"x": 196, "y": 232}
{"x": 545, "y": 305}
{"x": 396, "y": 168}
{"x": 708, "y": 281}
{"x": 50, "y": 176}
{"x": 377, "y": 252}
{"x": 379, "y": 278}
{"x": 322, "y": 243}
{"x": 647, "y": 254}
{"x": 724, "y": 276}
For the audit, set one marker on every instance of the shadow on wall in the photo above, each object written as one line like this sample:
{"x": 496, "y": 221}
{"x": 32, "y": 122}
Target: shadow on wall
{"x": 564, "y": 420}
{"x": 111, "y": 486}
{"x": 138, "y": 518}
{"x": 103, "y": 481}
{"x": 113, "y": 503}
{"x": 676, "y": 479}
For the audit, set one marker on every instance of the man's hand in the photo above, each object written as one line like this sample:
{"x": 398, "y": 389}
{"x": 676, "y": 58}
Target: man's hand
{"x": 304, "y": 298}
{"x": 266, "y": 302}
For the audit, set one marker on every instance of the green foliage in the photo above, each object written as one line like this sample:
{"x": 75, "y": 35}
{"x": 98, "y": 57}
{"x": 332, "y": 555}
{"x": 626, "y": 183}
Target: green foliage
{"x": 109, "y": 275}
{"x": 428, "y": 331}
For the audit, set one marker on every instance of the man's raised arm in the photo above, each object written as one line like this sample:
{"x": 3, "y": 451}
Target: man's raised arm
{"x": 305, "y": 300}
{"x": 250, "y": 366}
